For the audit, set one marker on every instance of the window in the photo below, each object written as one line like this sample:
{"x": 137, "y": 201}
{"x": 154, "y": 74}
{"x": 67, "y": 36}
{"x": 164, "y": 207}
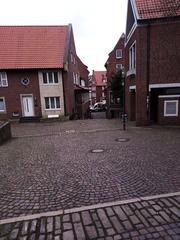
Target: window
{"x": 72, "y": 58}
{"x": 118, "y": 53}
{"x": 77, "y": 79}
{"x": 118, "y": 67}
{"x": 74, "y": 78}
{"x": 171, "y": 108}
{"x": 83, "y": 84}
{"x": 50, "y": 78}
{"x": 3, "y": 79}
{"x": 132, "y": 57}
{"x": 2, "y": 104}
{"x": 52, "y": 103}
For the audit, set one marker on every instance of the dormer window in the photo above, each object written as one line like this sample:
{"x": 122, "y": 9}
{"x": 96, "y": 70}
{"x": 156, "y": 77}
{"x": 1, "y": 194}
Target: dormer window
{"x": 118, "y": 53}
{"x": 3, "y": 79}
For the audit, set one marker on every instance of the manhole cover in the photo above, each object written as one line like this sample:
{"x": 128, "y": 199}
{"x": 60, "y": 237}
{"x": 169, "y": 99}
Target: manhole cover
{"x": 99, "y": 150}
{"x": 122, "y": 140}
{"x": 70, "y": 131}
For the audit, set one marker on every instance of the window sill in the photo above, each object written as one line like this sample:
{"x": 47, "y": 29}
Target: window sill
{"x": 52, "y": 109}
{"x": 131, "y": 72}
{"x": 171, "y": 115}
{"x": 50, "y": 84}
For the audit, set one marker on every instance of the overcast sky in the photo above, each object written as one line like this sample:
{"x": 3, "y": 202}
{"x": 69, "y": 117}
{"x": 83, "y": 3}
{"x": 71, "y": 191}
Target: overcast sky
{"x": 97, "y": 24}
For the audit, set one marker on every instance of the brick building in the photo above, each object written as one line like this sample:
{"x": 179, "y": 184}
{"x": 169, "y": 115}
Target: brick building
{"x": 114, "y": 63}
{"x": 38, "y": 68}
{"x": 152, "y": 61}
{"x": 98, "y": 85}
{"x": 82, "y": 101}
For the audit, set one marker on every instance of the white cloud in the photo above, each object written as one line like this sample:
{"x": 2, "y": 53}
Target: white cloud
{"x": 97, "y": 24}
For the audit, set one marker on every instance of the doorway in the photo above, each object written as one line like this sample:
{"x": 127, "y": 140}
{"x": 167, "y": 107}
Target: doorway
{"x": 27, "y": 106}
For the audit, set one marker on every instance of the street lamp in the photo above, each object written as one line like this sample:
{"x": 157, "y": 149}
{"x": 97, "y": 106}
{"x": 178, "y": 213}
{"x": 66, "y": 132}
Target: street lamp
{"x": 124, "y": 116}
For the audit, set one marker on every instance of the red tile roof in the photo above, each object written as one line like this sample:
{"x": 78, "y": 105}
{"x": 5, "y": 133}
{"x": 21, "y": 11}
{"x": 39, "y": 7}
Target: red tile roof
{"x": 32, "y": 46}
{"x": 150, "y": 9}
{"x": 99, "y": 76}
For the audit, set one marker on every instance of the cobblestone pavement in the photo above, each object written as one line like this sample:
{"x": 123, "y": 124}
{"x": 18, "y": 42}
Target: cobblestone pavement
{"x": 50, "y": 166}
{"x": 151, "y": 218}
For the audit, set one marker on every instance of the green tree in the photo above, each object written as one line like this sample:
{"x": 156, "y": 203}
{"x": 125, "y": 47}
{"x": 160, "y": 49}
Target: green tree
{"x": 116, "y": 86}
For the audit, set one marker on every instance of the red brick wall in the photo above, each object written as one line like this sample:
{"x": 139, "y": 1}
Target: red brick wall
{"x": 164, "y": 60}
{"x": 15, "y": 88}
{"x": 98, "y": 93}
{"x": 166, "y": 120}
{"x": 112, "y": 60}
{"x": 165, "y": 53}
{"x": 68, "y": 78}
{"x": 130, "y": 80}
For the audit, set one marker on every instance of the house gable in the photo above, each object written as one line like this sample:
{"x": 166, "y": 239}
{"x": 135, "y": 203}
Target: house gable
{"x": 132, "y": 17}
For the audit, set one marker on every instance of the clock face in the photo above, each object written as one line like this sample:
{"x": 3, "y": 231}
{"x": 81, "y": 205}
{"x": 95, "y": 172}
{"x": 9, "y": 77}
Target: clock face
{"x": 25, "y": 81}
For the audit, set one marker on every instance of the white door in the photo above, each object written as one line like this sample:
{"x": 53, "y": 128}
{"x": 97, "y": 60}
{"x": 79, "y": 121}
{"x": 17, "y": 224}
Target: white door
{"x": 27, "y": 102}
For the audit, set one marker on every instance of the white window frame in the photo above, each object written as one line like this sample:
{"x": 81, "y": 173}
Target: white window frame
{"x": 165, "y": 108}
{"x": 132, "y": 57}
{"x": 53, "y": 78}
{"x": 55, "y": 103}
{"x": 118, "y": 53}
{"x": 77, "y": 79}
{"x": 3, "y": 79}
{"x": 2, "y": 111}
{"x": 72, "y": 58}
{"x": 117, "y": 68}
{"x": 74, "y": 78}
{"x": 83, "y": 83}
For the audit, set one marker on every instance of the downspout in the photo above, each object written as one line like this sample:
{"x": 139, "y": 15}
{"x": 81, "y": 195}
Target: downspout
{"x": 63, "y": 79}
{"x": 148, "y": 74}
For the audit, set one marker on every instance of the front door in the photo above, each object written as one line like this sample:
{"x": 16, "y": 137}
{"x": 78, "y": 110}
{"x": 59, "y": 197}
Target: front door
{"x": 27, "y": 104}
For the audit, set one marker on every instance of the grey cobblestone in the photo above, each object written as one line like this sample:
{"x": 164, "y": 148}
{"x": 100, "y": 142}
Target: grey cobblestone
{"x": 62, "y": 173}
{"x": 81, "y": 225}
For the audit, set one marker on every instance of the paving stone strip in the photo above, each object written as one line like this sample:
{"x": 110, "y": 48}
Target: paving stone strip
{"x": 156, "y": 217}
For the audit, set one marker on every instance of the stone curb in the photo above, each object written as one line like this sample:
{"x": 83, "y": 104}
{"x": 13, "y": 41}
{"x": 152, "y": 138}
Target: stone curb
{"x": 68, "y": 132}
{"x": 85, "y": 208}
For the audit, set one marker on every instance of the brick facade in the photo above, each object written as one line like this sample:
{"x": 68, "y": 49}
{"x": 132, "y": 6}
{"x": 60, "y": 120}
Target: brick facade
{"x": 62, "y": 58}
{"x": 113, "y": 108}
{"x": 15, "y": 89}
{"x": 157, "y": 62}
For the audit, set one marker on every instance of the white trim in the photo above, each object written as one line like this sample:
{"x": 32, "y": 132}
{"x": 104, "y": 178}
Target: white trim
{"x": 118, "y": 53}
{"x": 53, "y": 78}
{"x": 165, "y": 108}
{"x": 134, "y": 8}
{"x": 132, "y": 87}
{"x": 22, "y": 106}
{"x": 3, "y": 111}
{"x": 55, "y": 103}
{"x": 131, "y": 33}
{"x": 163, "y": 85}
{"x": 132, "y": 58}
{"x": 168, "y": 96}
{"x": 2, "y": 79}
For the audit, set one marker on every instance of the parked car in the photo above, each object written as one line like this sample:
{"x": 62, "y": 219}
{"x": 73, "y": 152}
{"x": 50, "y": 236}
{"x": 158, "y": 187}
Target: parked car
{"x": 98, "y": 107}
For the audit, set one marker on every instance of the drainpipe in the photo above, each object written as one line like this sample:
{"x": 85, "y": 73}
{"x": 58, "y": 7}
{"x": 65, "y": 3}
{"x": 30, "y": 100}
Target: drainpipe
{"x": 148, "y": 74}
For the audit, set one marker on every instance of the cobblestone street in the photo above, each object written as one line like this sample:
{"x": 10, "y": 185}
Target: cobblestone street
{"x": 51, "y": 167}
{"x": 139, "y": 219}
